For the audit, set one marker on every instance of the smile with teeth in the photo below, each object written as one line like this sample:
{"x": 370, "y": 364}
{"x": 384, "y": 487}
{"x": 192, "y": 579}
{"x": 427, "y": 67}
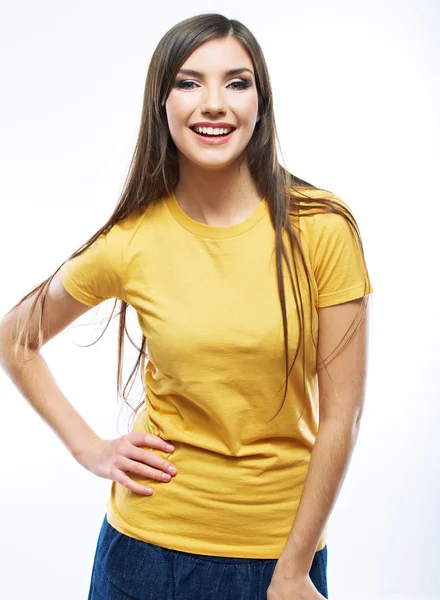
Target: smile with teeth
{"x": 212, "y": 130}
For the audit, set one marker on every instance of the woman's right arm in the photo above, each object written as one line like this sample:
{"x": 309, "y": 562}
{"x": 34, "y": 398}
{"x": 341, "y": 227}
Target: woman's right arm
{"x": 33, "y": 377}
{"x": 106, "y": 458}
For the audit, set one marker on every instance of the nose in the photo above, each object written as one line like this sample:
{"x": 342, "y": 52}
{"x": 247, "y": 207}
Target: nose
{"x": 213, "y": 101}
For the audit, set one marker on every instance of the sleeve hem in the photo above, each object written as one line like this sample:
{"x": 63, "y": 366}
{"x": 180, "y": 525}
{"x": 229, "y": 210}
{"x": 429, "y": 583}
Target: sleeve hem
{"x": 342, "y": 296}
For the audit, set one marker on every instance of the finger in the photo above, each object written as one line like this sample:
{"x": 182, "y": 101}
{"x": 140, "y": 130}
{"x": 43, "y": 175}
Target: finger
{"x": 139, "y": 468}
{"x": 123, "y": 479}
{"x": 151, "y": 440}
{"x": 149, "y": 458}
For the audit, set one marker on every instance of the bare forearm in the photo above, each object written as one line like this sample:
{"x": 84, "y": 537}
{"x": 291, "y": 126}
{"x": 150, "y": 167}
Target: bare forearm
{"x": 37, "y": 384}
{"x": 328, "y": 466}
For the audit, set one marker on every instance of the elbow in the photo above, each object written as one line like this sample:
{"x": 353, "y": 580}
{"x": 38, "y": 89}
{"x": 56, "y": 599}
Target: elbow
{"x": 349, "y": 426}
{"x": 11, "y": 348}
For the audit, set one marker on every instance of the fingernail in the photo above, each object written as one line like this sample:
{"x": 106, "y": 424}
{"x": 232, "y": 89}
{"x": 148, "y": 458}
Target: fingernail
{"x": 169, "y": 447}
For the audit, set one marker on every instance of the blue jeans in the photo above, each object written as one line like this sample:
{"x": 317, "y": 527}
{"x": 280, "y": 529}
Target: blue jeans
{"x": 125, "y": 568}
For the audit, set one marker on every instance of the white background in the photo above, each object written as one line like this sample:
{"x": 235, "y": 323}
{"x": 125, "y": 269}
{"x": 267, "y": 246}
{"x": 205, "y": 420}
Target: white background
{"x": 356, "y": 88}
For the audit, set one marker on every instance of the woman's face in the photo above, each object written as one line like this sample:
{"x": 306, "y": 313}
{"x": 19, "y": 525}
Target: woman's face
{"x": 212, "y": 95}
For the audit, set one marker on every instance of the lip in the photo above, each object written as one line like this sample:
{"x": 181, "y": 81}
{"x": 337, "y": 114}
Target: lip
{"x": 221, "y": 124}
{"x": 213, "y": 140}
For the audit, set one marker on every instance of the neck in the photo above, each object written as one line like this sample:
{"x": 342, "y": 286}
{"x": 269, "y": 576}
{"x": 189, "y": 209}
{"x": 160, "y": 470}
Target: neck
{"x": 218, "y": 197}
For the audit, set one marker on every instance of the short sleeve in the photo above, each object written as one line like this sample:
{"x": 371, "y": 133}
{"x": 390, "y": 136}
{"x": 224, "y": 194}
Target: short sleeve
{"x": 337, "y": 258}
{"x": 98, "y": 272}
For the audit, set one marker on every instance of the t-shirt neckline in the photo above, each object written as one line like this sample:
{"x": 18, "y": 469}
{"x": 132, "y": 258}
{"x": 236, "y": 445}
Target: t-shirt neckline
{"x": 211, "y": 231}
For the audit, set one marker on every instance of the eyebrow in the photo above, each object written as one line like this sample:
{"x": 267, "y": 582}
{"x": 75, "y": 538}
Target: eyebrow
{"x": 229, "y": 73}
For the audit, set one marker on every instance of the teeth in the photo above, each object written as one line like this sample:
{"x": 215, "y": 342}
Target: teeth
{"x": 211, "y": 130}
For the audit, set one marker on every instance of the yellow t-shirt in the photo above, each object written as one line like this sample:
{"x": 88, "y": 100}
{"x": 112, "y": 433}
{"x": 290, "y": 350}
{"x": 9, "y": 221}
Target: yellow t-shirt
{"x": 207, "y": 302}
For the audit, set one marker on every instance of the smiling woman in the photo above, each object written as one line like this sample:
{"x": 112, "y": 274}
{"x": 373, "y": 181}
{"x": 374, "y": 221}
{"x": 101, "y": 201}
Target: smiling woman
{"x": 215, "y": 92}
{"x": 234, "y": 266}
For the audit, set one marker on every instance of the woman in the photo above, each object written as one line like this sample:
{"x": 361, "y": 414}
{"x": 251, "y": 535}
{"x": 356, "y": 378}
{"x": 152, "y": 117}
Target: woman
{"x": 233, "y": 265}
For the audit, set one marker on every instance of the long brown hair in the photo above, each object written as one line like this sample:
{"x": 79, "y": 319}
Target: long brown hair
{"x": 154, "y": 173}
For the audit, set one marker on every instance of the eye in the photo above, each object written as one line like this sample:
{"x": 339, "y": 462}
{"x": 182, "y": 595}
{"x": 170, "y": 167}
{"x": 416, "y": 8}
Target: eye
{"x": 242, "y": 83}
{"x": 181, "y": 84}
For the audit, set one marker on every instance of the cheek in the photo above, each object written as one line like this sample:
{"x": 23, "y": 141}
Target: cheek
{"x": 178, "y": 111}
{"x": 254, "y": 106}
{"x": 174, "y": 114}
{"x": 248, "y": 111}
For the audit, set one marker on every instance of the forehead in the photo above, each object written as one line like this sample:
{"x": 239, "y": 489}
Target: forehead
{"x": 219, "y": 54}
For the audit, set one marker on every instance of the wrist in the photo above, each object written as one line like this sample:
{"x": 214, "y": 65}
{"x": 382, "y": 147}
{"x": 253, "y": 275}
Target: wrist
{"x": 291, "y": 570}
{"x": 82, "y": 452}
{"x": 294, "y": 562}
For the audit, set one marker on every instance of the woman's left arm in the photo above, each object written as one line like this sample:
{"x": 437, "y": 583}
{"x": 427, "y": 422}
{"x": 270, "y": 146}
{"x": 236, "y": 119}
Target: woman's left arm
{"x": 341, "y": 399}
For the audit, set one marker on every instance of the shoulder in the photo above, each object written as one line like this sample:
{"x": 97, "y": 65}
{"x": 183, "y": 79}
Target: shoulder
{"x": 128, "y": 225}
{"x": 121, "y": 234}
{"x": 315, "y": 204}
{"x": 316, "y": 212}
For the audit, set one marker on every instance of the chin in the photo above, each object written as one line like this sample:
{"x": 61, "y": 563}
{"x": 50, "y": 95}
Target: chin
{"x": 209, "y": 159}
{"x": 220, "y": 162}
